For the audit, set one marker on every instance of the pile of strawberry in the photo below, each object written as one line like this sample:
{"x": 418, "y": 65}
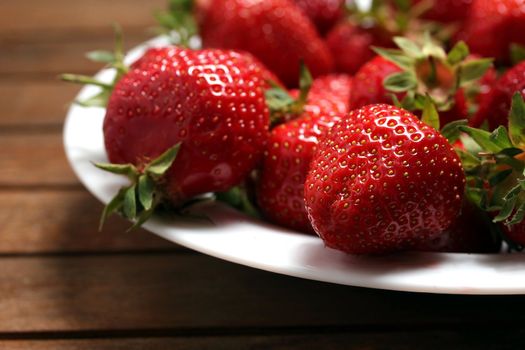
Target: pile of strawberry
{"x": 353, "y": 123}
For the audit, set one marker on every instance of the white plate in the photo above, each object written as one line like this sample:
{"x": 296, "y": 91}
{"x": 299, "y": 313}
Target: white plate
{"x": 237, "y": 238}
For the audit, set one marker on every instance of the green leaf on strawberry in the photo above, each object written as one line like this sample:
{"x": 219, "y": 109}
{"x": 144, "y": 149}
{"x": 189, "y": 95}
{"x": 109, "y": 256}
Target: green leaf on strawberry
{"x": 138, "y": 201}
{"x": 517, "y": 121}
{"x": 282, "y": 105}
{"x": 517, "y": 53}
{"x": 430, "y": 114}
{"x": 178, "y": 22}
{"x": 113, "y": 60}
{"x": 496, "y": 171}
{"x": 452, "y": 132}
{"x": 427, "y": 70}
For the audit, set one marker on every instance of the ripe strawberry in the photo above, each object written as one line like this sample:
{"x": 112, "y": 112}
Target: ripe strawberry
{"x": 516, "y": 233}
{"x": 368, "y": 83}
{"x": 275, "y": 31}
{"x": 350, "y": 45}
{"x": 382, "y": 181}
{"x": 493, "y": 25}
{"x": 162, "y": 55}
{"x": 323, "y": 13}
{"x": 496, "y": 105}
{"x": 290, "y": 148}
{"x": 447, "y": 11}
{"x": 211, "y": 102}
{"x": 468, "y": 234}
{"x": 335, "y": 88}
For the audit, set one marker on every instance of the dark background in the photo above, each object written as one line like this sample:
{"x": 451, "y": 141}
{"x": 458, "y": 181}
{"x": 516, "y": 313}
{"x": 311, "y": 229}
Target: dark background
{"x": 65, "y": 286}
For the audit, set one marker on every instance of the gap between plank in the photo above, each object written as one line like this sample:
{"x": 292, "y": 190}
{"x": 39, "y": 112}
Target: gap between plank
{"x": 77, "y": 254}
{"x": 257, "y": 331}
{"x": 41, "y": 187}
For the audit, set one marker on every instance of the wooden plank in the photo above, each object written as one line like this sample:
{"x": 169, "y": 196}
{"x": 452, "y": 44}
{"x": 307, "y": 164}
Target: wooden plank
{"x": 437, "y": 340}
{"x": 48, "y": 60}
{"x": 182, "y": 293}
{"x": 35, "y": 15}
{"x": 34, "y": 159}
{"x": 66, "y": 222}
{"x": 35, "y": 103}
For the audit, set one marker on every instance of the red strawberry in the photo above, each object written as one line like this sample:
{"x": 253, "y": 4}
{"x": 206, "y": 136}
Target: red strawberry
{"x": 290, "y": 148}
{"x": 516, "y": 233}
{"x": 350, "y": 45}
{"x": 447, "y": 11}
{"x": 382, "y": 181}
{"x": 368, "y": 83}
{"x": 468, "y": 234}
{"x": 323, "y": 13}
{"x": 210, "y": 101}
{"x": 335, "y": 88}
{"x": 275, "y": 31}
{"x": 162, "y": 55}
{"x": 493, "y": 25}
{"x": 495, "y": 106}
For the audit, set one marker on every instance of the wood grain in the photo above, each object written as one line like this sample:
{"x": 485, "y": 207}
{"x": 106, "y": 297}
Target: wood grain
{"x": 46, "y": 222}
{"x": 431, "y": 340}
{"x": 184, "y": 293}
{"x": 46, "y": 61}
{"x": 33, "y": 160}
{"x": 69, "y": 16}
{"x": 35, "y": 104}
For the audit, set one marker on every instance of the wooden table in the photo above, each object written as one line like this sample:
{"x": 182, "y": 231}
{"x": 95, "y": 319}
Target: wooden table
{"x": 65, "y": 286}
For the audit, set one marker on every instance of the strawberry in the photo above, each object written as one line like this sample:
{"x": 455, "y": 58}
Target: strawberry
{"x": 275, "y": 31}
{"x": 382, "y": 181}
{"x": 202, "y": 111}
{"x": 368, "y": 83}
{"x": 160, "y": 55}
{"x": 468, "y": 234}
{"x": 350, "y": 45}
{"x": 493, "y": 25}
{"x": 516, "y": 233}
{"x": 496, "y": 105}
{"x": 290, "y": 148}
{"x": 447, "y": 11}
{"x": 323, "y": 13}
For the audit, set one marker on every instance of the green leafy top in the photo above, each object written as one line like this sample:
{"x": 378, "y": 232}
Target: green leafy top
{"x": 114, "y": 60}
{"x": 495, "y": 166}
{"x": 389, "y": 17}
{"x": 178, "y": 22}
{"x": 138, "y": 200}
{"x": 282, "y": 105}
{"x": 427, "y": 70}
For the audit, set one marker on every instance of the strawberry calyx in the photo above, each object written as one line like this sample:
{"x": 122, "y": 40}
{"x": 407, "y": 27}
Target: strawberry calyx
{"x": 494, "y": 163}
{"x": 238, "y": 197}
{"x": 427, "y": 70}
{"x": 517, "y": 53}
{"x": 385, "y": 18}
{"x": 283, "y": 107}
{"x": 113, "y": 60}
{"x": 178, "y": 22}
{"x": 138, "y": 200}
